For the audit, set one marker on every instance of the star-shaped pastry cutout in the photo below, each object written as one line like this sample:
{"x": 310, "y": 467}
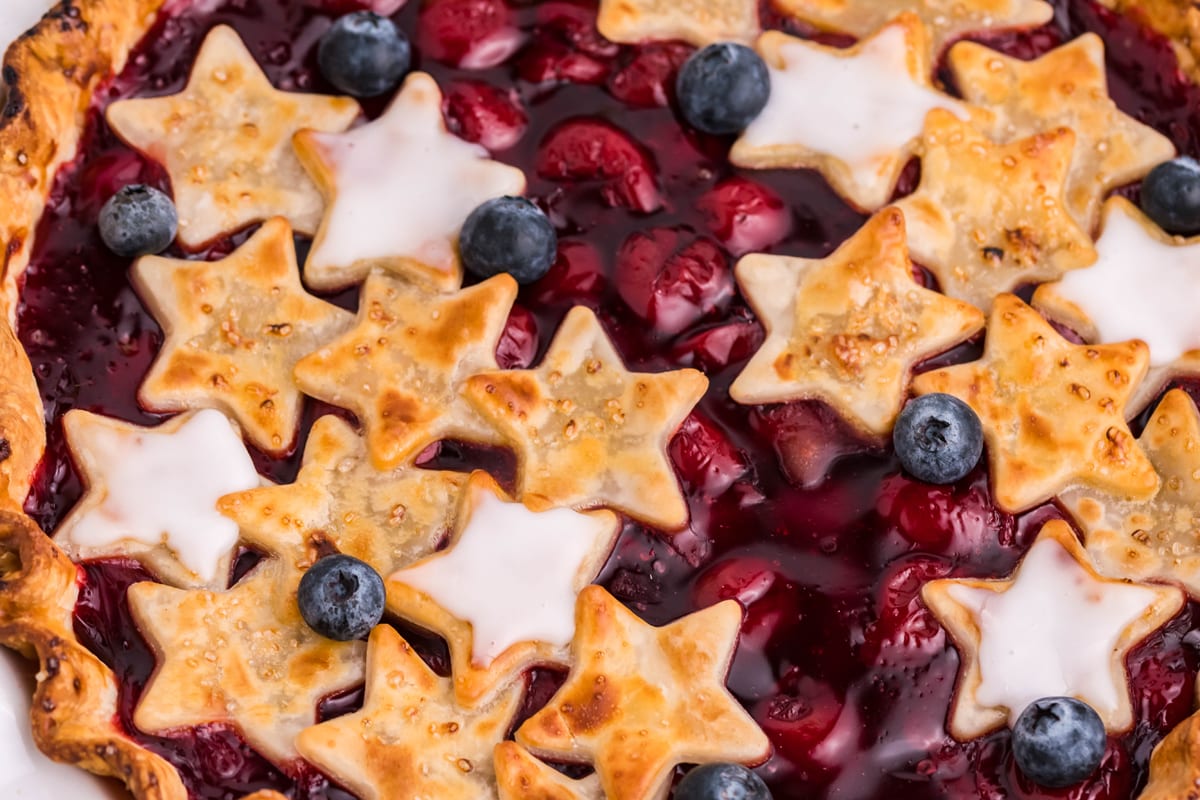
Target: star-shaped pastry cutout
{"x": 698, "y": 22}
{"x": 1066, "y": 87}
{"x": 521, "y": 776}
{"x": 243, "y": 657}
{"x": 398, "y": 192}
{"x": 388, "y": 519}
{"x": 844, "y": 93}
{"x": 1053, "y": 412}
{"x": 847, "y": 329}
{"x": 151, "y": 494}
{"x": 226, "y": 142}
{"x": 640, "y": 700}
{"x": 410, "y": 739}
{"x": 1055, "y": 627}
{"x": 235, "y": 329}
{"x": 1175, "y": 763}
{"x": 500, "y": 610}
{"x": 947, "y": 20}
{"x": 1144, "y": 285}
{"x": 400, "y": 368}
{"x": 1159, "y": 538}
{"x": 988, "y": 218}
{"x": 587, "y": 432}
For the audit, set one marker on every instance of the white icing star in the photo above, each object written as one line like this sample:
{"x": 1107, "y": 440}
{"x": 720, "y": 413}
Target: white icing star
{"x": 398, "y": 191}
{"x": 152, "y": 493}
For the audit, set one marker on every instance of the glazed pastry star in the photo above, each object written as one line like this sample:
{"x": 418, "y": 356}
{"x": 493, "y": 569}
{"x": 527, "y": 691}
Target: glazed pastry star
{"x": 244, "y": 657}
{"x": 845, "y": 92}
{"x": 400, "y": 368}
{"x": 152, "y": 494}
{"x": 500, "y": 610}
{"x": 987, "y": 218}
{"x": 847, "y": 329}
{"x": 386, "y": 518}
{"x": 947, "y": 20}
{"x": 399, "y": 190}
{"x": 410, "y": 740}
{"x": 588, "y": 432}
{"x": 629, "y": 678}
{"x": 1055, "y": 627}
{"x": 1144, "y": 285}
{"x": 234, "y": 329}
{"x": 698, "y": 22}
{"x": 1158, "y": 538}
{"x": 226, "y": 142}
{"x": 1053, "y": 412}
{"x": 1066, "y": 87}
{"x": 520, "y": 776}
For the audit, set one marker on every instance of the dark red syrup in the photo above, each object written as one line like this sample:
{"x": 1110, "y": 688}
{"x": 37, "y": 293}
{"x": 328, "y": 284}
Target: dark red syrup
{"x": 815, "y": 531}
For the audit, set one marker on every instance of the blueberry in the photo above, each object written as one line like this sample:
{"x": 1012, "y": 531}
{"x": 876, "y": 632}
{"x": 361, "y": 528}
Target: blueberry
{"x": 1058, "y": 741}
{"x": 938, "y": 438}
{"x": 722, "y": 88}
{"x": 364, "y": 54}
{"x": 341, "y": 598}
{"x": 1171, "y": 196}
{"x": 508, "y": 234}
{"x": 721, "y": 782}
{"x": 137, "y": 221}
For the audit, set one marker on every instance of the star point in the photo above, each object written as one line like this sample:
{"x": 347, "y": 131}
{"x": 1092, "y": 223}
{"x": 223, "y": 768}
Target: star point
{"x": 629, "y": 677}
{"x": 588, "y": 432}
{"x": 1055, "y": 627}
{"x": 521, "y": 776}
{"x": 234, "y": 330}
{"x": 697, "y": 22}
{"x": 226, "y": 142}
{"x": 847, "y": 329}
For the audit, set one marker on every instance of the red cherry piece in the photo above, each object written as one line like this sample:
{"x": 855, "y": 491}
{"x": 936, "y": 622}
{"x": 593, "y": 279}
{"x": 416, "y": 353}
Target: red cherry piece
{"x": 554, "y": 62}
{"x": 796, "y": 722}
{"x": 672, "y": 280}
{"x": 519, "y": 342}
{"x": 904, "y": 629}
{"x": 474, "y": 34}
{"x": 102, "y": 177}
{"x": 808, "y": 439}
{"x": 744, "y": 579}
{"x": 707, "y": 461}
{"x": 485, "y": 114}
{"x": 716, "y": 348}
{"x": 593, "y": 150}
{"x": 573, "y": 24}
{"x": 745, "y": 216}
{"x": 944, "y": 517}
{"x": 647, "y": 79}
{"x": 578, "y": 274}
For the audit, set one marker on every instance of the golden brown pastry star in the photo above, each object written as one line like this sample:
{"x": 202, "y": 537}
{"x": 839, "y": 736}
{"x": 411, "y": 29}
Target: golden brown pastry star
{"x": 400, "y": 368}
{"x": 235, "y": 329}
{"x": 410, "y": 740}
{"x": 521, "y": 776}
{"x": 698, "y": 22}
{"x": 847, "y": 329}
{"x": 988, "y": 218}
{"x": 588, "y": 432}
{"x": 947, "y": 20}
{"x": 1066, "y": 87}
{"x": 639, "y": 700}
{"x": 226, "y": 142}
{"x": 1158, "y": 538}
{"x": 1055, "y": 627}
{"x": 1053, "y": 412}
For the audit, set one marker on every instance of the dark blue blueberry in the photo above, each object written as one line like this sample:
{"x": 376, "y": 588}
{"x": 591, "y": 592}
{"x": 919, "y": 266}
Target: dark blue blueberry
{"x": 341, "y": 598}
{"x": 721, "y": 782}
{"x": 364, "y": 54}
{"x": 138, "y": 221}
{"x": 1171, "y": 196}
{"x": 1058, "y": 741}
{"x": 722, "y": 88}
{"x": 938, "y": 438}
{"x": 508, "y": 234}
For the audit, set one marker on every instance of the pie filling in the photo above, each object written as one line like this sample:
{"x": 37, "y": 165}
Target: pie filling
{"x": 817, "y": 532}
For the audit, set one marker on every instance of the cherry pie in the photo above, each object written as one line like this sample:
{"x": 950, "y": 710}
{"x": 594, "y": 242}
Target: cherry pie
{"x": 619, "y": 399}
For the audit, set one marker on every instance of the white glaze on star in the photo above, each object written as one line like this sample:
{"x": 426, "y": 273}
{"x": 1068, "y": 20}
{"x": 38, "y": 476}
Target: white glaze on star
{"x": 1052, "y": 633}
{"x": 161, "y": 488}
{"x": 513, "y": 573}
{"x": 859, "y": 109}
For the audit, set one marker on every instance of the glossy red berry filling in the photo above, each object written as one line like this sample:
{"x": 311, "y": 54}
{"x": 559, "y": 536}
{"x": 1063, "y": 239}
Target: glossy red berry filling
{"x": 814, "y": 530}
